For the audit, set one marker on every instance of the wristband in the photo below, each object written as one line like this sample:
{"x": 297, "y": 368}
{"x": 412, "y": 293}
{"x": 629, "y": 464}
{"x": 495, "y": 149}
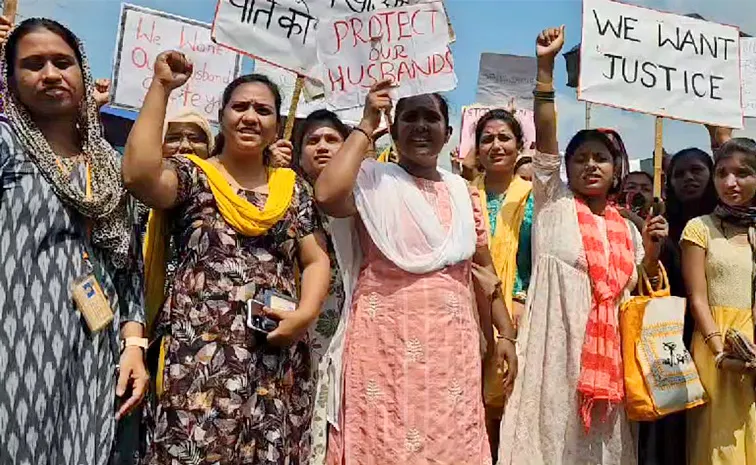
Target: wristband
{"x": 513, "y": 340}
{"x": 135, "y": 342}
{"x": 359, "y": 129}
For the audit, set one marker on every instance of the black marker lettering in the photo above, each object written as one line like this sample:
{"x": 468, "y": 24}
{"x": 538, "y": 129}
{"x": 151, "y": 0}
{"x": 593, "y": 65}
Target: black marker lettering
{"x": 611, "y": 66}
{"x": 662, "y": 43}
{"x": 693, "y": 84}
{"x": 714, "y": 87}
{"x": 727, "y": 43}
{"x": 629, "y": 28}
{"x": 608, "y": 25}
{"x": 624, "y": 71}
{"x": 650, "y": 74}
{"x": 668, "y": 70}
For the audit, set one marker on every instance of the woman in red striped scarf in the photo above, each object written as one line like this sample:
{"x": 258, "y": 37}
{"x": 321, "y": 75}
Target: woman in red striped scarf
{"x": 566, "y": 407}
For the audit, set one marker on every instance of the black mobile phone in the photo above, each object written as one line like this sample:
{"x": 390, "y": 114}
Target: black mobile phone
{"x": 256, "y": 318}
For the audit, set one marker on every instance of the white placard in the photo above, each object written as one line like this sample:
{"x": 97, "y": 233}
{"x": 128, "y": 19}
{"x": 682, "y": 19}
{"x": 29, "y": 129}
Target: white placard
{"x": 408, "y": 45}
{"x": 144, "y": 34}
{"x": 748, "y": 75}
{"x": 473, "y": 113}
{"x": 286, "y": 81}
{"x": 660, "y": 63}
{"x": 283, "y": 32}
{"x": 502, "y": 78}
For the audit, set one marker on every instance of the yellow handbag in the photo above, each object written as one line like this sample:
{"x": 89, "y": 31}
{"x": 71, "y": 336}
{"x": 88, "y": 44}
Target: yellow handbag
{"x": 660, "y": 376}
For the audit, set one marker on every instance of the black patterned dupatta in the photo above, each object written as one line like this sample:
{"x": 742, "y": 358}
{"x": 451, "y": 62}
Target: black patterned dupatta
{"x": 106, "y": 205}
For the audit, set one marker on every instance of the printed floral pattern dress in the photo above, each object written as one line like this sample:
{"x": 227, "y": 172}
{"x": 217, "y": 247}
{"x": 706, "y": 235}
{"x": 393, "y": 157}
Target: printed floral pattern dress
{"x": 321, "y": 334}
{"x": 230, "y": 398}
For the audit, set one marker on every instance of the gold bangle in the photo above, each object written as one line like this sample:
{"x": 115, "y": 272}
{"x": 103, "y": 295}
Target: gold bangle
{"x": 711, "y": 336}
{"x": 719, "y": 359}
{"x": 501, "y": 337}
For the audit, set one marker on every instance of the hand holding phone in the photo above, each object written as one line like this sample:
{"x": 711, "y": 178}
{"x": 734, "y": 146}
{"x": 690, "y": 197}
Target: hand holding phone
{"x": 257, "y": 318}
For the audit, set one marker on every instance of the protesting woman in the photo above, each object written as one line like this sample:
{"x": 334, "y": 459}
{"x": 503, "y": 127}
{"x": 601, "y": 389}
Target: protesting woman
{"x": 567, "y": 405}
{"x": 321, "y": 136}
{"x": 229, "y": 392}
{"x": 70, "y": 260}
{"x": 718, "y": 261}
{"x": 690, "y": 193}
{"x": 406, "y": 356}
{"x": 508, "y": 213}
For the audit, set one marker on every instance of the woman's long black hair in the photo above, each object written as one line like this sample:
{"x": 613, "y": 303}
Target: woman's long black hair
{"x": 678, "y": 214}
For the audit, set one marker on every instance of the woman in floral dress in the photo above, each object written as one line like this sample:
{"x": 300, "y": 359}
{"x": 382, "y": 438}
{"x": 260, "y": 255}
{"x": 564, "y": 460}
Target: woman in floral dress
{"x": 321, "y": 136}
{"x": 230, "y": 395}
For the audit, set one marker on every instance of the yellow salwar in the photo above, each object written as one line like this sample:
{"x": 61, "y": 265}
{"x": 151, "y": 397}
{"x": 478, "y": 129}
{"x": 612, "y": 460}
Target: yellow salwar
{"x": 723, "y": 432}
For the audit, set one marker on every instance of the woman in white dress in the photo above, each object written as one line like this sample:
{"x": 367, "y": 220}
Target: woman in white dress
{"x": 567, "y": 404}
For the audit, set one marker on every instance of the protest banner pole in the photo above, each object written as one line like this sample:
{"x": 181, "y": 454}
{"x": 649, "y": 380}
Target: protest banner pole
{"x": 9, "y": 10}
{"x": 588, "y": 108}
{"x": 389, "y": 122}
{"x": 658, "y": 156}
{"x": 292, "y": 116}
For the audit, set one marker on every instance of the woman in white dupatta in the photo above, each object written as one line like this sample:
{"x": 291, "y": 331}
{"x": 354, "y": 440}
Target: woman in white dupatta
{"x": 405, "y": 364}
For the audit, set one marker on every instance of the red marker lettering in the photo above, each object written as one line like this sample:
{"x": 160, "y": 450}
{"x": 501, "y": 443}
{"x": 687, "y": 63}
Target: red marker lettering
{"x": 337, "y": 82}
{"x": 139, "y": 57}
{"x": 357, "y": 23}
{"x": 402, "y": 33}
{"x": 340, "y": 37}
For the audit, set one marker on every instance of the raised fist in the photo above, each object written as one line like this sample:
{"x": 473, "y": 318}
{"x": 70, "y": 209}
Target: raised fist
{"x": 550, "y": 42}
{"x": 173, "y": 69}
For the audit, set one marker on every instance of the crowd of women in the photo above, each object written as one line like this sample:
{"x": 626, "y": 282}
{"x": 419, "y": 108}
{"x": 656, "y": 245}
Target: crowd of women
{"x": 437, "y": 319}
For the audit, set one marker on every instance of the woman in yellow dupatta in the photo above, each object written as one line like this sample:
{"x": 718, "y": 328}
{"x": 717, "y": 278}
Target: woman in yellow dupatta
{"x": 229, "y": 392}
{"x": 508, "y": 207}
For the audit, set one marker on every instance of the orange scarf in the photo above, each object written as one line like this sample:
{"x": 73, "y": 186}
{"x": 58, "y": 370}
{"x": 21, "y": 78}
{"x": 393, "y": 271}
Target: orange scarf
{"x": 601, "y": 378}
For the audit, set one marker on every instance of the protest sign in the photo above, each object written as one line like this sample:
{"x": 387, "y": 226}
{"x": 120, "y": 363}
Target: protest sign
{"x": 283, "y": 32}
{"x": 659, "y": 63}
{"x": 470, "y": 117}
{"x": 748, "y": 75}
{"x": 502, "y": 78}
{"x": 286, "y": 80}
{"x": 144, "y": 34}
{"x": 407, "y": 45}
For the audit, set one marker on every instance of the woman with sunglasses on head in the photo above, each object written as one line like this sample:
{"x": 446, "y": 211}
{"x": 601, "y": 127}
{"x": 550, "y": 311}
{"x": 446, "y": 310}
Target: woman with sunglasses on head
{"x": 232, "y": 388}
{"x": 71, "y": 262}
{"x": 567, "y": 404}
{"x": 718, "y": 253}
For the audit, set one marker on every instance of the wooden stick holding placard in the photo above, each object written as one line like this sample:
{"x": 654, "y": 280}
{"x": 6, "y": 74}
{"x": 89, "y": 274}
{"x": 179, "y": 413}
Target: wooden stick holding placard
{"x": 658, "y": 156}
{"x": 292, "y": 116}
{"x": 387, "y": 119}
{"x": 588, "y": 108}
{"x": 9, "y": 10}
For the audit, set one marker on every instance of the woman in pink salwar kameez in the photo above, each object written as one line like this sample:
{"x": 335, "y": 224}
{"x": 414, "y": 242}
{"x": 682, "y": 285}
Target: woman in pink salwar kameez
{"x": 406, "y": 361}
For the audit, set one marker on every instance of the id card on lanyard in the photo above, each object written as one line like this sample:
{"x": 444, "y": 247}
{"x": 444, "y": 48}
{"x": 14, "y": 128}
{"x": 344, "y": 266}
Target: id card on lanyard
{"x": 87, "y": 293}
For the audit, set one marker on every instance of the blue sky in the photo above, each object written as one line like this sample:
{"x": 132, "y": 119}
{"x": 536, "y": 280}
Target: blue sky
{"x": 505, "y": 26}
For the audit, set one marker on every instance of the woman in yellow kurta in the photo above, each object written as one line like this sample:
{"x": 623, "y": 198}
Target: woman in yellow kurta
{"x": 718, "y": 265}
{"x": 508, "y": 210}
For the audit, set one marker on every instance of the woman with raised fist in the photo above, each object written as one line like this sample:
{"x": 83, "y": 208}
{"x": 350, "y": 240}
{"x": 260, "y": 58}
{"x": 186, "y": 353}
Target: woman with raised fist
{"x": 567, "y": 405}
{"x": 234, "y": 379}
